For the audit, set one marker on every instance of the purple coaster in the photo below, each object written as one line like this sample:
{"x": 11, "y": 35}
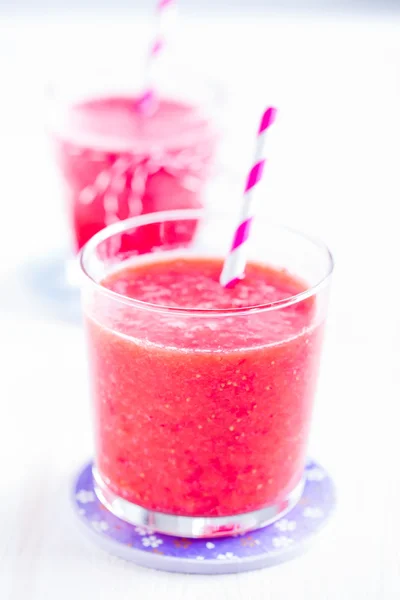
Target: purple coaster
{"x": 284, "y": 539}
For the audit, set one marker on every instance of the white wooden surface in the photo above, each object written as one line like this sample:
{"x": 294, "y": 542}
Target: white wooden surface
{"x": 334, "y": 172}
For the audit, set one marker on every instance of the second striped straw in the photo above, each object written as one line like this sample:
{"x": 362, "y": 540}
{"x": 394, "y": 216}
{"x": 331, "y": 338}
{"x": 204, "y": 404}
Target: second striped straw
{"x": 235, "y": 262}
{"x": 164, "y": 12}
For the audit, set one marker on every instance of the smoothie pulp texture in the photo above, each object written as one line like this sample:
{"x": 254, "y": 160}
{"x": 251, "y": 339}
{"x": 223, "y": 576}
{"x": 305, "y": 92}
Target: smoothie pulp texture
{"x": 207, "y": 413}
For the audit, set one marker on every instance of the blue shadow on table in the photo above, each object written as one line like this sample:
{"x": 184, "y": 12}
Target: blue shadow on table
{"x": 39, "y": 289}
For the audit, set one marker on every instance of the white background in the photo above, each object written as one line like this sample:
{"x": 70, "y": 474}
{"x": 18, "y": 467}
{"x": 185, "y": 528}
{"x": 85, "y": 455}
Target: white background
{"x": 62, "y": 7}
{"x": 333, "y": 171}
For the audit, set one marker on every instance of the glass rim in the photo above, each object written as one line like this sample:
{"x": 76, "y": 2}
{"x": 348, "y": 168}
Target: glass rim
{"x": 57, "y": 88}
{"x": 205, "y": 94}
{"x": 196, "y": 214}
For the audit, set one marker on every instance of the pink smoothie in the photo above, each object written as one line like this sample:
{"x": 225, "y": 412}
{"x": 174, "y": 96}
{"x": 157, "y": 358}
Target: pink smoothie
{"x": 202, "y": 416}
{"x": 118, "y": 163}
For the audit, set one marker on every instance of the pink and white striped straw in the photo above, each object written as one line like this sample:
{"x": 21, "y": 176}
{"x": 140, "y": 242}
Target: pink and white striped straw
{"x": 148, "y": 100}
{"x": 235, "y": 262}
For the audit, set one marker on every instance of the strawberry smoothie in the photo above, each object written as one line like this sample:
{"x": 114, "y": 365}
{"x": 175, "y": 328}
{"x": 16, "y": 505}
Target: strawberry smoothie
{"x": 117, "y": 162}
{"x": 203, "y": 409}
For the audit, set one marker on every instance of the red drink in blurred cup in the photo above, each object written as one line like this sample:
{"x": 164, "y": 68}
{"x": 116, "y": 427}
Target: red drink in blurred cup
{"x": 119, "y": 161}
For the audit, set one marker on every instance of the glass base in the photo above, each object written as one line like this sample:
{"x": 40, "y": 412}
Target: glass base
{"x": 193, "y": 527}
{"x": 283, "y": 540}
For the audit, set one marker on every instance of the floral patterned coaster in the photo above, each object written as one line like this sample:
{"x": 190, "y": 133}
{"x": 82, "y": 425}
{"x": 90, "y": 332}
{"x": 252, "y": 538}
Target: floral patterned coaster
{"x": 265, "y": 547}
